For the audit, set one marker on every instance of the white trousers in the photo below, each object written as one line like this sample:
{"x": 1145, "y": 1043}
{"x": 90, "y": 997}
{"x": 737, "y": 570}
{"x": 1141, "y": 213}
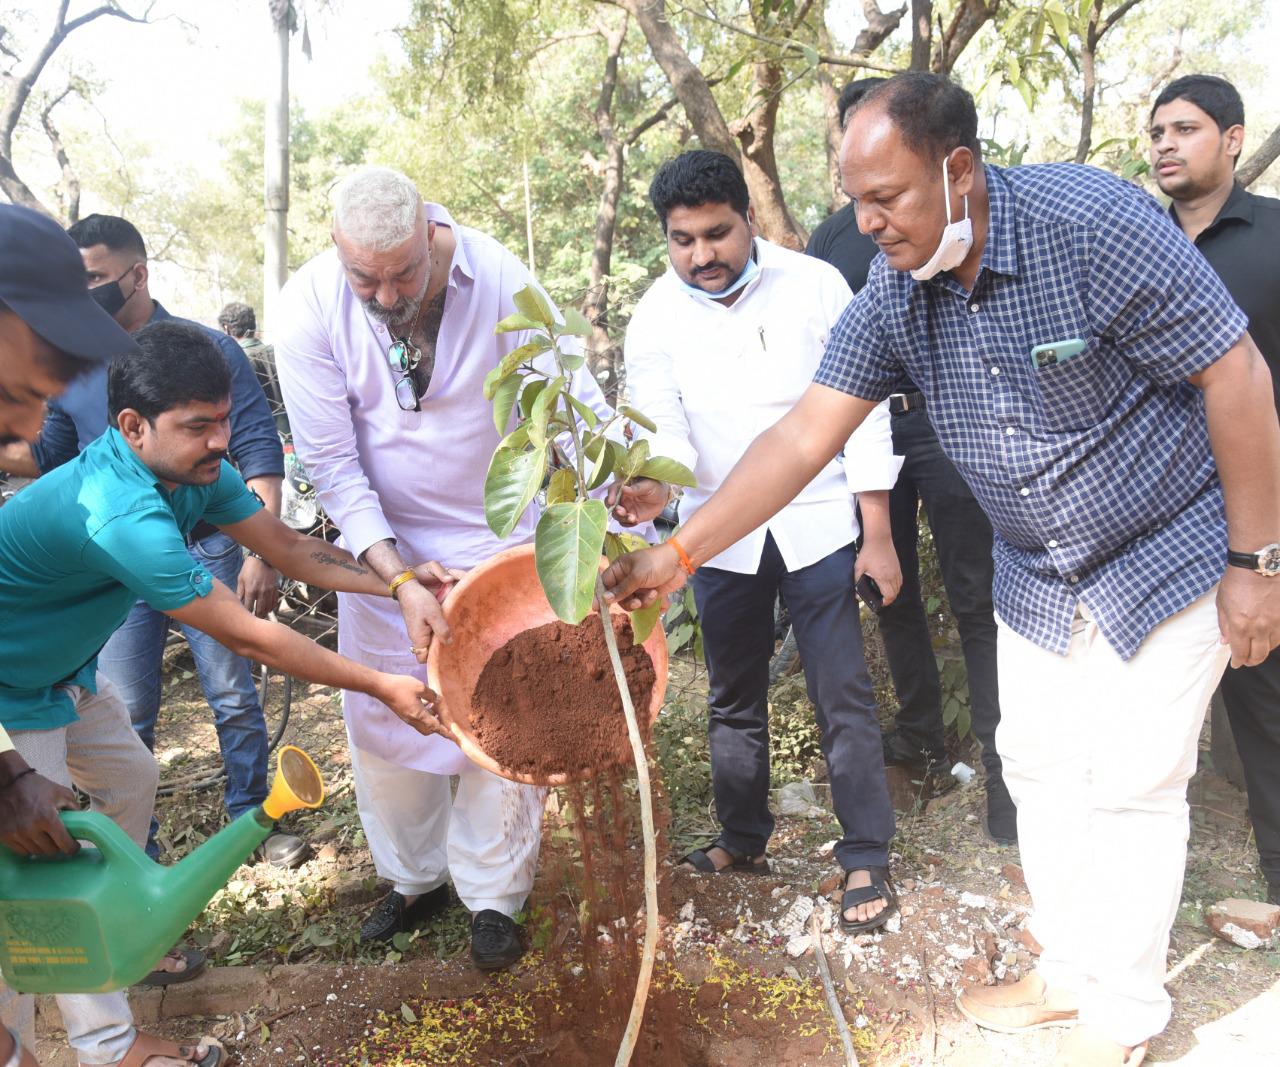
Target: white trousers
{"x": 485, "y": 839}
{"x": 102, "y": 755}
{"x": 1097, "y": 755}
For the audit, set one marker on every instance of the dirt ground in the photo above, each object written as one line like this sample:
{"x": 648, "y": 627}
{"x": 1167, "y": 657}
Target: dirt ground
{"x": 737, "y": 982}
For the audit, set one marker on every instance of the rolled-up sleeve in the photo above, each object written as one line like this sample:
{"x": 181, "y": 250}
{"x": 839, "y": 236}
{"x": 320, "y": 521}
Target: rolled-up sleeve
{"x": 315, "y": 395}
{"x": 869, "y": 462}
{"x": 652, "y": 390}
{"x": 255, "y": 444}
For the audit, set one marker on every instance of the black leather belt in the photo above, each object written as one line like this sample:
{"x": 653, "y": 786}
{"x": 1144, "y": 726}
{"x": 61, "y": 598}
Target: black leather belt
{"x": 200, "y": 531}
{"x": 901, "y": 403}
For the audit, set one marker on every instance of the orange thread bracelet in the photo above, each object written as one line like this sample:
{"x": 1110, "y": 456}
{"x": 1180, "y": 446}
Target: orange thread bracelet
{"x": 685, "y": 561}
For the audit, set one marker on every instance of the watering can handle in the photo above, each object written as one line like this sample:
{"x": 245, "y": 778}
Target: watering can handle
{"x": 112, "y": 842}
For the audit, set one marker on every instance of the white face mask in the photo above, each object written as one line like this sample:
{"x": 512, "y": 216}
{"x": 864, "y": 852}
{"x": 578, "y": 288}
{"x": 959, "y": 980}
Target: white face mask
{"x": 956, "y": 241}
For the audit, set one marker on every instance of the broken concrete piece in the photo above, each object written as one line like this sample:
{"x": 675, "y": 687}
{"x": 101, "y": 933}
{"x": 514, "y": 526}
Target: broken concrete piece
{"x": 799, "y": 945}
{"x": 1246, "y": 923}
{"x": 797, "y": 798}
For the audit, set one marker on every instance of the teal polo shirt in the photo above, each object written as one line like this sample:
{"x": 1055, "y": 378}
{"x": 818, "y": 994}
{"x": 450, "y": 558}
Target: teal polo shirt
{"x": 78, "y": 548}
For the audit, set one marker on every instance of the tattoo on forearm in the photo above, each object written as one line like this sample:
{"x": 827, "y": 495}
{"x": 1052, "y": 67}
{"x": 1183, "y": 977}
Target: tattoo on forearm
{"x": 334, "y": 561}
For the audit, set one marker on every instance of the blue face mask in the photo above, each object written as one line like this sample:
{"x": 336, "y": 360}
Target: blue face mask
{"x": 748, "y": 274}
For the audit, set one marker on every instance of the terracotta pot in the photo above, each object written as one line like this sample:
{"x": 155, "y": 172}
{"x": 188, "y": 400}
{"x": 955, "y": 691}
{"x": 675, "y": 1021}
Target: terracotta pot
{"x": 497, "y": 600}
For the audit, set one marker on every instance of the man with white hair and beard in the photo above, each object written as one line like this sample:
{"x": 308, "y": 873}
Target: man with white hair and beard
{"x": 382, "y": 348}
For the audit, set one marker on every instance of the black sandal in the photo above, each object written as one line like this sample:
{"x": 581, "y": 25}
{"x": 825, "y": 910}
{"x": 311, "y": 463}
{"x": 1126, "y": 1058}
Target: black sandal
{"x": 881, "y": 888}
{"x": 704, "y": 864}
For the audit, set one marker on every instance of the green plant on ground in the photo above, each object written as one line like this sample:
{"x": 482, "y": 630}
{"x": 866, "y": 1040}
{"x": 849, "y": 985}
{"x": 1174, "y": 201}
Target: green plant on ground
{"x": 562, "y": 441}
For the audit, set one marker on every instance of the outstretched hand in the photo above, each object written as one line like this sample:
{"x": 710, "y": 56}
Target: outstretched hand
{"x": 414, "y": 702}
{"x": 29, "y": 806}
{"x": 636, "y": 580}
{"x": 637, "y": 501}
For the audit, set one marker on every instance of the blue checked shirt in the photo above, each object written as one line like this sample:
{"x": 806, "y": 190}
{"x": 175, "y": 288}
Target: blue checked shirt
{"x": 1096, "y": 472}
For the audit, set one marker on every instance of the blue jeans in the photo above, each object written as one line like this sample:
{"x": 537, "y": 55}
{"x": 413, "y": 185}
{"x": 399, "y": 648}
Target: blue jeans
{"x": 133, "y": 660}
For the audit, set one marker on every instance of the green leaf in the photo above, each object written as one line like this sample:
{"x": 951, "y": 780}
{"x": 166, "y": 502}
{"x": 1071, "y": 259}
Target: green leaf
{"x": 530, "y": 394}
{"x": 638, "y": 417}
{"x": 679, "y": 637}
{"x": 562, "y": 487}
{"x": 513, "y": 323}
{"x": 566, "y": 550}
{"x": 584, "y": 411}
{"x": 543, "y": 405}
{"x": 667, "y": 470}
{"x": 517, "y": 438}
{"x": 1061, "y": 28}
{"x": 633, "y": 542}
{"x": 508, "y": 364}
{"x": 1028, "y": 93}
{"x": 406, "y": 1013}
{"x": 1014, "y": 68}
{"x": 401, "y": 941}
{"x": 504, "y": 399}
{"x": 600, "y": 455}
{"x": 573, "y": 362}
{"x": 533, "y": 305}
{"x": 576, "y": 323}
{"x": 613, "y": 546}
{"x": 644, "y": 620}
{"x": 509, "y": 486}
{"x": 810, "y": 54}
{"x": 637, "y": 457}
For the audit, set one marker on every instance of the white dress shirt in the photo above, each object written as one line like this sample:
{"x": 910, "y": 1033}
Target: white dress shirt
{"x": 712, "y": 378}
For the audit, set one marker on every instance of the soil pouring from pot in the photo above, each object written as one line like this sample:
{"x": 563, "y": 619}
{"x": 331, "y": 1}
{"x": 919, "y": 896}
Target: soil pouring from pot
{"x": 546, "y": 702}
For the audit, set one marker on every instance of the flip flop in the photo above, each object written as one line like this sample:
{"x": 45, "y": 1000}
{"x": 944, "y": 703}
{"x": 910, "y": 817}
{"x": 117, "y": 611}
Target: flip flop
{"x": 195, "y": 960}
{"x": 704, "y": 864}
{"x": 879, "y": 889}
{"x": 146, "y": 1047}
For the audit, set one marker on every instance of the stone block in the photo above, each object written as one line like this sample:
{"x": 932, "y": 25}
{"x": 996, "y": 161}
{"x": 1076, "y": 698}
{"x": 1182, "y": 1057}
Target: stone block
{"x": 1247, "y": 923}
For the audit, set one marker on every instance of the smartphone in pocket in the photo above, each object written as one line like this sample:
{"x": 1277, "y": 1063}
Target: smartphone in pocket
{"x": 870, "y": 592}
{"x": 1055, "y": 352}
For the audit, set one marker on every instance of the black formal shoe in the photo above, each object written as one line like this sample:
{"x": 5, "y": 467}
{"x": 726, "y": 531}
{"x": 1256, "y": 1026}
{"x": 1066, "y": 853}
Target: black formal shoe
{"x": 932, "y": 769}
{"x": 1273, "y": 893}
{"x": 283, "y": 851}
{"x": 495, "y": 941}
{"x": 1002, "y": 815}
{"x": 391, "y": 917}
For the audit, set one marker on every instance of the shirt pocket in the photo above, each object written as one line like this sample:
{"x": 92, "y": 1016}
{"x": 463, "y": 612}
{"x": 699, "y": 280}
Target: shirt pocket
{"x": 1077, "y": 393}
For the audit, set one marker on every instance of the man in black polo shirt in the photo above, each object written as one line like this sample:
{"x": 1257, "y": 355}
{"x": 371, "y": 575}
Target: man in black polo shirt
{"x": 962, "y": 537}
{"x": 1197, "y": 131}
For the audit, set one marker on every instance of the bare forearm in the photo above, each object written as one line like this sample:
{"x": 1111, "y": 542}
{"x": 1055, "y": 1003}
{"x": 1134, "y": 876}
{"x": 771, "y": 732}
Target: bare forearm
{"x": 874, "y": 506}
{"x": 315, "y": 561}
{"x": 384, "y": 559}
{"x": 16, "y": 458}
{"x": 779, "y": 463}
{"x": 279, "y": 647}
{"x": 269, "y": 490}
{"x": 1245, "y": 436}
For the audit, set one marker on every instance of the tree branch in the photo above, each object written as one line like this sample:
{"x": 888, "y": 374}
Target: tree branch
{"x": 1116, "y": 16}
{"x": 1266, "y": 154}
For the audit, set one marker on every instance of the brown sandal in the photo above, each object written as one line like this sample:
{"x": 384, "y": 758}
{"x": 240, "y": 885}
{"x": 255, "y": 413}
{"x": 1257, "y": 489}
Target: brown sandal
{"x": 145, "y": 1047}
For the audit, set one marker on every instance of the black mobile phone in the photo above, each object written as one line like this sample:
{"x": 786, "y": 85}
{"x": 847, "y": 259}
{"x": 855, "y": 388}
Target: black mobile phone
{"x": 870, "y": 593}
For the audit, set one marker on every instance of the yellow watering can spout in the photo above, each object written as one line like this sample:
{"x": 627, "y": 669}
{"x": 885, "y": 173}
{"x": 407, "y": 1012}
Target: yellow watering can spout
{"x": 297, "y": 784}
{"x": 99, "y": 920}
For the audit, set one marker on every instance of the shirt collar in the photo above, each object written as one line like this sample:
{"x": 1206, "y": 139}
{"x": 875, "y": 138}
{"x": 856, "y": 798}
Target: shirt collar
{"x": 1001, "y": 252}
{"x": 1238, "y": 205}
{"x": 132, "y": 461}
{"x": 158, "y": 313}
{"x": 437, "y": 213}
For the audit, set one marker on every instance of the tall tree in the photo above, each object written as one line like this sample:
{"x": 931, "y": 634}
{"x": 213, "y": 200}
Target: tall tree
{"x": 275, "y": 251}
{"x": 19, "y": 81}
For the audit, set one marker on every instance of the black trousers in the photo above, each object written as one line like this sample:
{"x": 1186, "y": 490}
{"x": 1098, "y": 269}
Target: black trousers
{"x": 962, "y": 535}
{"x": 736, "y": 612}
{"x": 1252, "y": 697}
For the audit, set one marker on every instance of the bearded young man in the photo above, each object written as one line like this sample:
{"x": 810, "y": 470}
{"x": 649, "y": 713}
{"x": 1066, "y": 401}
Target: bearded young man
{"x": 1197, "y": 133}
{"x": 1094, "y": 384}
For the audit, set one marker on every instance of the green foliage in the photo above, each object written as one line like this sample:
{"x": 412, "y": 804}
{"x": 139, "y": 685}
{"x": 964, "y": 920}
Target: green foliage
{"x": 567, "y": 548}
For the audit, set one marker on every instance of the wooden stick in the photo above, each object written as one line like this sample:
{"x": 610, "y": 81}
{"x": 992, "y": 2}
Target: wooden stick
{"x": 846, "y": 1039}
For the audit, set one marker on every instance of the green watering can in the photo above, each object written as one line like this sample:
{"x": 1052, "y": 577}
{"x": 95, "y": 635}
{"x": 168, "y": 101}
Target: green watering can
{"x": 101, "y": 919}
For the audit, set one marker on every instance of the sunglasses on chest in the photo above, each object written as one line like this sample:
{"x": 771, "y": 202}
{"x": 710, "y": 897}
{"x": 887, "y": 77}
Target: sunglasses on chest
{"x": 403, "y": 357}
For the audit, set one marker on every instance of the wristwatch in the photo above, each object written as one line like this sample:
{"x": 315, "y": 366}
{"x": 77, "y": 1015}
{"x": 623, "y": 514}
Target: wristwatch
{"x": 1266, "y": 561}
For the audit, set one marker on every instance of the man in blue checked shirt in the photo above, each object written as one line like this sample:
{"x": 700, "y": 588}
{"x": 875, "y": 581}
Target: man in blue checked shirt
{"x": 1090, "y": 377}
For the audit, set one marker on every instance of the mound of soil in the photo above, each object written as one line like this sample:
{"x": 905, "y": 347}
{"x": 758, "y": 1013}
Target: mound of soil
{"x": 546, "y": 702}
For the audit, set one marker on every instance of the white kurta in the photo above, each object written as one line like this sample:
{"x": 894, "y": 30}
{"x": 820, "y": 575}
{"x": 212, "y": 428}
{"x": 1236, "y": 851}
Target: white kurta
{"x": 380, "y": 472}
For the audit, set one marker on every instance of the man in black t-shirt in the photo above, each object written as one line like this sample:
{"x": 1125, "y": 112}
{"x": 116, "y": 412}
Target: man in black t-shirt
{"x": 1197, "y": 131}
{"x": 962, "y": 538}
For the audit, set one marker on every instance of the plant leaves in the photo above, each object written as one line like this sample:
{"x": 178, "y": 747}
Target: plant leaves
{"x": 638, "y": 417}
{"x": 530, "y": 394}
{"x": 504, "y": 399}
{"x": 562, "y": 487}
{"x": 517, "y": 438}
{"x": 572, "y": 362}
{"x": 576, "y": 323}
{"x": 637, "y": 457}
{"x": 543, "y": 405}
{"x": 600, "y": 455}
{"x": 613, "y": 546}
{"x": 644, "y": 620}
{"x": 515, "y": 322}
{"x": 667, "y": 470}
{"x": 508, "y": 364}
{"x": 533, "y": 305}
{"x": 566, "y": 550}
{"x": 509, "y": 486}
{"x": 584, "y": 411}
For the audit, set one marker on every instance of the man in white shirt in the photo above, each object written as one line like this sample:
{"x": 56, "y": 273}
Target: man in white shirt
{"x": 719, "y": 348}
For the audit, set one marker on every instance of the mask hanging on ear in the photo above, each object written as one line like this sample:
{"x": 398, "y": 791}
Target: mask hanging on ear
{"x": 956, "y": 241}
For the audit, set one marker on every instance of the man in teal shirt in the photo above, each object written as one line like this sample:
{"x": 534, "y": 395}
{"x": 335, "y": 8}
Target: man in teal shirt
{"x": 78, "y": 548}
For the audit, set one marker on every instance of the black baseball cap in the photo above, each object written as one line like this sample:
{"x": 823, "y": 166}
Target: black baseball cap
{"x": 43, "y": 282}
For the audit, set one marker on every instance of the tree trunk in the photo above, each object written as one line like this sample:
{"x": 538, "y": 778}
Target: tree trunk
{"x": 968, "y": 19}
{"x": 686, "y": 79}
{"x": 275, "y": 257}
{"x": 760, "y": 164}
{"x": 70, "y": 195}
{"x": 1266, "y": 154}
{"x": 921, "y": 33}
{"x": 831, "y": 114}
{"x": 1089, "y": 82}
